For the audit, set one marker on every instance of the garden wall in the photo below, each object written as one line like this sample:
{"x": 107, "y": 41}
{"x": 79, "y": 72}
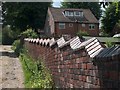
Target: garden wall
{"x": 78, "y": 65}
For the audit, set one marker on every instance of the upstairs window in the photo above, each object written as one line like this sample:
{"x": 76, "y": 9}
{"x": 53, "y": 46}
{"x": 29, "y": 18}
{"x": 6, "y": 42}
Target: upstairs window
{"x": 69, "y": 13}
{"x": 73, "y": 13}
{"x": 78, "y": 13}
{"x": 91, "y": 26}
{"x": 61, "y": 25}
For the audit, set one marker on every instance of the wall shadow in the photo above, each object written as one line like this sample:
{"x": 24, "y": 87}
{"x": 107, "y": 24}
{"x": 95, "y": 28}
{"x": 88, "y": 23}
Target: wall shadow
{"x": 108, "y": 64}
{"x": 9, "y": 54}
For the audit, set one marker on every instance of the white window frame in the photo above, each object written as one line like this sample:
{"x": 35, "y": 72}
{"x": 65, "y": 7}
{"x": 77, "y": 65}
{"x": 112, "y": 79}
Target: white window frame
{"x": 61, "y": 25}
{"x": 75, "y": 13}
{"x": 91, "y": 26}
{"x": 71, "y": 13}
{"x": 80, "y": 13}
{"x": 66, "y": 13}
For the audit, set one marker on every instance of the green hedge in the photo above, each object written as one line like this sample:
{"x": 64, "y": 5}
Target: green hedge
{"x": 17, "y": 47}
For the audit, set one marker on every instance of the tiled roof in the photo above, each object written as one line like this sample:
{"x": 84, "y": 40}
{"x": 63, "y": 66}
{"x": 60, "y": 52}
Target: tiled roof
{"x": 58, "y": 16}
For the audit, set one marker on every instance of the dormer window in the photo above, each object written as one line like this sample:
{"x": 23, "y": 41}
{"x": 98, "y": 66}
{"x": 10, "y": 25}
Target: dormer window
{"x": 69, "y": 13}
{"x": 73, "y": 13}
{"x": 78, "y": 13}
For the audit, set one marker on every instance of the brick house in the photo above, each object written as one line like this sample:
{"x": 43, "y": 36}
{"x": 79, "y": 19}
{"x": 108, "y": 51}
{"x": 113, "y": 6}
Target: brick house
{"x": 61, "y": 21}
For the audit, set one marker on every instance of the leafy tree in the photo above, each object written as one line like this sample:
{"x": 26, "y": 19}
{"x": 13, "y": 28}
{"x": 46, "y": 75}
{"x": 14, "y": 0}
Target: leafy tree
{"x": 8, "y": 35}
{"x": 93, "y": 6}
{"x": 29, "y": 33}
{"x": 111, "y": 17}
{"x": 24, "y": 15}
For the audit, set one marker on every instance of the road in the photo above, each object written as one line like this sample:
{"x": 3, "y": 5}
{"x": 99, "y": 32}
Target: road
{"x": 11, "y": 73}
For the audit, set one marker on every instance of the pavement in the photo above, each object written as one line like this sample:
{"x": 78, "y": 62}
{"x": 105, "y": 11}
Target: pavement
{"x": 11, "y": 73}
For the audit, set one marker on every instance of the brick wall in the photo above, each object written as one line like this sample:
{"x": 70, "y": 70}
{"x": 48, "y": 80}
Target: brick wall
{"x": 75, "y": 69}
{"x": 75, "y": 28}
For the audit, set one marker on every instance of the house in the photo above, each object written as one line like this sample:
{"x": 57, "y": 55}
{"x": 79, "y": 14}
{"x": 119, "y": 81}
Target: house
{"x": 61, "y": 21}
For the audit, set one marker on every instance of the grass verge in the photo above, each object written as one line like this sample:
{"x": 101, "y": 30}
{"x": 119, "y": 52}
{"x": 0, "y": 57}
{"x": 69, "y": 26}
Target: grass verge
{"x": 35, "y": 73}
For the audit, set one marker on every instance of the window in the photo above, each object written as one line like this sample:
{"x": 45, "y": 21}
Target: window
{"x": 70, "y": 25}
{"x": 73, "y": 13}
{"x": 78, "y": 13}
{"x": 61, "y": 25}
{"x": 68, "y": 13}
{"x": 83, "y": 25}
{"x": 91, "y": 26}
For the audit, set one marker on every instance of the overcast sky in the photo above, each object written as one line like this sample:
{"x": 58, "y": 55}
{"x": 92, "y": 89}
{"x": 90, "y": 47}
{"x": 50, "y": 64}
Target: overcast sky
{"x": 56, "y": 3}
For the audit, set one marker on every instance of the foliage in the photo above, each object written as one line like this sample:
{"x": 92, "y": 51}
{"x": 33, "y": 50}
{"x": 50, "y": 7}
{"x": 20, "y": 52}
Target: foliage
{"x": 118, "y": 24}
{"x": 29, "y": 33}
{"x": 104, "y": 34}
{"x": 82, "y": 33}
{"x": 104, "y": 4}
{"x": 17, "y": 47}
{"x": 93, "y": 6}
{"x": 24, "y": 15}
{"x": 36, "y": 74}
{"x": 110, "y": 44}
{"x": 8, "y": 36}
{"x": 110, "y": 17}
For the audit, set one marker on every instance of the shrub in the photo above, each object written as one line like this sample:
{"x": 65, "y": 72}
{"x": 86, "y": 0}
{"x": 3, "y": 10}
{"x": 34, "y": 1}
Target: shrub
{"x": 29, "y": 33}
{"x": 104, "y": 34}
{"x": 17, "y": 47}
{"x": 110, "y": 44}
{"x": 82, "y": 33}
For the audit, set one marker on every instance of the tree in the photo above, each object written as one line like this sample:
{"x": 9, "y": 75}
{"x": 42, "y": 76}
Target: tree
{"x": 93, "y": 6}
{"x": 111, "y": 17}
{"x": 24, "y": 15}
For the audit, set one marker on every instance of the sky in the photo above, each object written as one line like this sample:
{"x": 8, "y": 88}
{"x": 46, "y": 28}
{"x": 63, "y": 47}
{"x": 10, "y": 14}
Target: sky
{"x": 56, "y": 3}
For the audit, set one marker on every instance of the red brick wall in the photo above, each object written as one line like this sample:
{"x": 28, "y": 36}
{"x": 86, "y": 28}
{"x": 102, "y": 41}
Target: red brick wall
{"x": 72, "y": 69}
{"x": 73, "y": 30}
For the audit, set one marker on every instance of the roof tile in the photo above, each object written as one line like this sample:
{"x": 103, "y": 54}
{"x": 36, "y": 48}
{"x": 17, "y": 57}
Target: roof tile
{"x": 58, "y": 15}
